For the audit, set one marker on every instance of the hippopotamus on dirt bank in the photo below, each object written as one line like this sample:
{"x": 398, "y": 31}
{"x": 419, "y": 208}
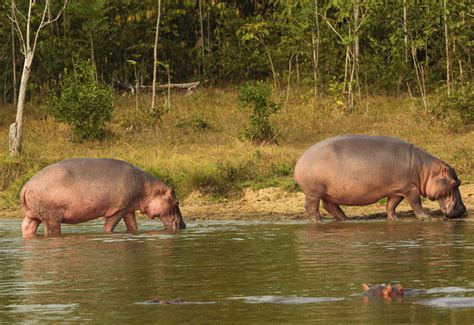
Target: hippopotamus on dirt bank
{"x": 360, "y": 170}
{"x": 78, "y": 190}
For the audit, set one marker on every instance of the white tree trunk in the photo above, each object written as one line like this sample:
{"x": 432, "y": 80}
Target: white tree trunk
{"x": 315, "y": 39}
{"x": 203, "y": 53}
{"x": 13, "y": 62}
{"x": 16, "y": 129}
{"x": 155, "y": 57}
{"x": 446, "y": 40}
{"x": 405, "y": 29}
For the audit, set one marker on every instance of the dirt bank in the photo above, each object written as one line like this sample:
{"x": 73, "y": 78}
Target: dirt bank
{"x": 276, "y": 204}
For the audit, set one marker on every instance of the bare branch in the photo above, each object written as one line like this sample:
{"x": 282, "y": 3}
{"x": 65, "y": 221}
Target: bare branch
{"x": 334, "y": 30}
{"x": 18, "y": 11}
{"x": 14, "y": 19}
{"x": 45, "y": 22}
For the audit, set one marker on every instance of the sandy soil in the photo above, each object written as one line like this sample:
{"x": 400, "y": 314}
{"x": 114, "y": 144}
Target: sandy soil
{"x": 275, "y": 204}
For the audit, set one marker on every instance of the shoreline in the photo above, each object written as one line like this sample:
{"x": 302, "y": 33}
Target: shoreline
{"x": 276, "y": 204}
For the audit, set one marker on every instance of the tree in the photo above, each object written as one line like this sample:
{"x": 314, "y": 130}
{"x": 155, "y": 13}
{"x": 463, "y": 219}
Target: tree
{"x": 155, "y": 57}
{"x": 29, "y": 40}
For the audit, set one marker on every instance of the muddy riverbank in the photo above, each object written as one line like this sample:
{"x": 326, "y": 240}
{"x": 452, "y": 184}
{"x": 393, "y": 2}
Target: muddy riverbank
{"x": 275, "y": 204}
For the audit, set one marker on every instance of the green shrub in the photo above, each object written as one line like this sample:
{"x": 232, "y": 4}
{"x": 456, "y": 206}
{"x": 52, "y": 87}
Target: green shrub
{"x": 83, "y": 104}
{"x": 460, "y": 100}
{"x": 257, "y": 97}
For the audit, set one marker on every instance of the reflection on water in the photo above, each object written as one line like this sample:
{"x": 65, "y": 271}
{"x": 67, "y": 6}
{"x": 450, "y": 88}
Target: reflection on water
{"x": 239, "y": 273}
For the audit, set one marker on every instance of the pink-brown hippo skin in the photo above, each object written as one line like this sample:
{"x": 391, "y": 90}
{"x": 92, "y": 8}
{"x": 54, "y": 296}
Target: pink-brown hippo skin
{"x": 383, "y": 291}
{"x": 77, "y": 190}
{"x": 360, "y": 170}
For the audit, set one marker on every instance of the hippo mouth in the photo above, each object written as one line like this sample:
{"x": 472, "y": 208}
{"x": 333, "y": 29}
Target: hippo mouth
{"x": 178, "y": 224}
{"x": 454, "y": 208}
{"x": 457, "y": 212}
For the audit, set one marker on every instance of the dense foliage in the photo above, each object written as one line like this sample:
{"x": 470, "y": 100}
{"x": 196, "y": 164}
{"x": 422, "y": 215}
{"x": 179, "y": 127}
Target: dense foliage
{"x": 83, "y": 104}
{"x": 257, "y": 97}
{"x": 355, "y": 46}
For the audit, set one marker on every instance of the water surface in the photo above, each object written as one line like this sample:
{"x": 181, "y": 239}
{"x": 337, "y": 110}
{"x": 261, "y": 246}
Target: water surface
{"x": 239, "y": 273}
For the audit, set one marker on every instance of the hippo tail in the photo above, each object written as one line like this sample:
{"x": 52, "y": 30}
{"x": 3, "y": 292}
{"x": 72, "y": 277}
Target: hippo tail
{"x": 23, "y": 197}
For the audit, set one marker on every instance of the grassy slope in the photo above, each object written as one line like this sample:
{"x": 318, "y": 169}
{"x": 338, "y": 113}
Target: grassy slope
{"x": 197, "y": 146}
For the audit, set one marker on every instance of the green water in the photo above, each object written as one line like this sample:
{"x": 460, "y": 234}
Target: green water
{"x": 239, "y": 273}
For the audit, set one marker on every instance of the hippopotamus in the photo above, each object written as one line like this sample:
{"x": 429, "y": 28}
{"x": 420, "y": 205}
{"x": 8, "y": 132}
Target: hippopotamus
{"x": 383, "y": 291}
{"x": 77, "y": 190}
{"x": 389, "y": 291}
{"x": 360, "y": 170}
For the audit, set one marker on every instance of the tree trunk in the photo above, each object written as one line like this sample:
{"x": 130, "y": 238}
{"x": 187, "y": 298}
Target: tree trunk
{"x": 13, "y": 61}
{"x": 356, "y": 47}
{"x": 275, "y": 80}
{"x": 93, "y": 59}
{"x": 16, "y": 129}
{"x": 446, "y": 41}
{"x": 289, "y": 79}
{"x": 315, "y": 39}
{"x": 201, "y": 26}
{"x": 155, "y": 57}
{"x": 420, "y": 76}
{"x": 405, "y": 29}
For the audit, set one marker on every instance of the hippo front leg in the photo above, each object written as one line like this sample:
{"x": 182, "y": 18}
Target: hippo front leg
{"x": 414, "y": 200}
{"x": 52, "y": 228}
{"x": 130, "y": 222}
{"x": 311, "y": 204}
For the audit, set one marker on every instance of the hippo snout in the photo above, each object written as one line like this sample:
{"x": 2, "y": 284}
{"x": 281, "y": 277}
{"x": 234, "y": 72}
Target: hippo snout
{"x": 458, "y": 211}
{"x": 178, "y": 224}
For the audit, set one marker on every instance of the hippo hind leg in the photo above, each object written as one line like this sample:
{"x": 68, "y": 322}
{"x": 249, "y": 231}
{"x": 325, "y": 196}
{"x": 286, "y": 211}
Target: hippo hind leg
{"x": 335, "y": 210}
{"x": 392, "y": 202}
{"x": 311, "y": 204}
{"x": 29, "y": 226}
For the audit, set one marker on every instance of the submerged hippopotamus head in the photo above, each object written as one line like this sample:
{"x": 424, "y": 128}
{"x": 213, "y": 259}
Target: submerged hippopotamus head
{"x": 383, "y": 291}
{"x": 443, "y": 186}
{"x": 165, "y": 206}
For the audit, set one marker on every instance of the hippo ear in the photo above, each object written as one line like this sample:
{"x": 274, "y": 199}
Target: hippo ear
{"x": 399, "y": 288}
{"x": 366, "y": 287}
{"x": 450, "y": 175}
{"x": 388, "y": 289}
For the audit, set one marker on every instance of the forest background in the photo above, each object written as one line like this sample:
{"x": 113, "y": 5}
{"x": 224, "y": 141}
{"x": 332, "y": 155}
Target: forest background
{"x": 274, "y": 77}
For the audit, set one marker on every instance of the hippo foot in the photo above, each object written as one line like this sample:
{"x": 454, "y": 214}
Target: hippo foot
{"x": 424, "y": 217}
{"x": 392, "y": 217}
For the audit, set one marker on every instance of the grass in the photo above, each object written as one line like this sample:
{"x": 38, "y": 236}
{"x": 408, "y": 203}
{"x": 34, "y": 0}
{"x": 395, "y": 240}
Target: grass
{"x": 198, "y": 145}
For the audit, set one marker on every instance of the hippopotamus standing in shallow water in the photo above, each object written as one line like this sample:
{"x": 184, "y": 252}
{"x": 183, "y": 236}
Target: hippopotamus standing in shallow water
{"x": 78, "y": 190}
{"x": 360, "y": 170}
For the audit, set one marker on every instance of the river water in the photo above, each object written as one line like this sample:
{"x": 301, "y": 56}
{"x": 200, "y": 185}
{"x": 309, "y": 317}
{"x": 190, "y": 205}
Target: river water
{"x": 239, "y": 273}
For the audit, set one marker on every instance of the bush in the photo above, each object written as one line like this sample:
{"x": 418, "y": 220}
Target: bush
{"x": 460, "y": 100}
{"x": 257, "y": 97}
{"x": 83, "y": 104}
